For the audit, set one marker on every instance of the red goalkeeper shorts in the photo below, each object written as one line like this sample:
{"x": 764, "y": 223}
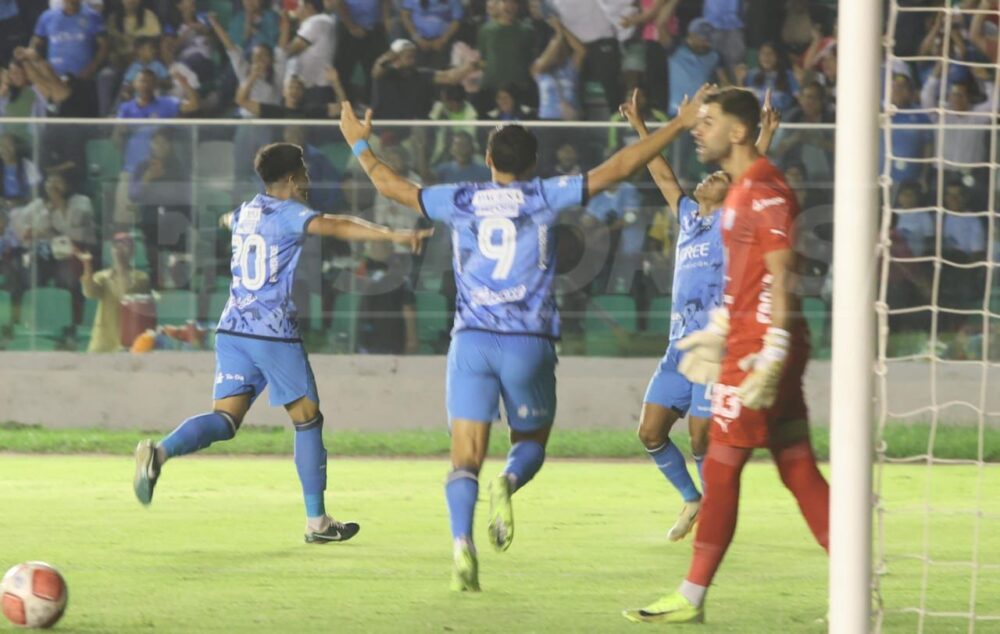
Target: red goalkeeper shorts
{"x": 784, "y": 423}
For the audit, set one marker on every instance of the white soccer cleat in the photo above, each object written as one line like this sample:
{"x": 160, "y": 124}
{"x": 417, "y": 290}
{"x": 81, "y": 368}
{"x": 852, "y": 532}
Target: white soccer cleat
{"x": 685, "y": 521}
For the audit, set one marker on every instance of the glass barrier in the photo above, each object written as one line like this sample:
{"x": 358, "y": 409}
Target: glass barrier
{"x": 111, "y": 237}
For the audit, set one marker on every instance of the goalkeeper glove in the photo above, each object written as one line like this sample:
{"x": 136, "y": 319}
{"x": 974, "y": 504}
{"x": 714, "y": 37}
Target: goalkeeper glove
{"x": 702, "y": 361}
{"x": 760, "y": 387}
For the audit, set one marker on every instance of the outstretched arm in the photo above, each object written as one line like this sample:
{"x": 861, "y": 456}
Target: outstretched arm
{"x": 770, "y": 119}
{"x": 353, "y": 229}
{"x": 384, "y": 178}
{"x": 660, "y": 170}
{"x": 626, "y": 161}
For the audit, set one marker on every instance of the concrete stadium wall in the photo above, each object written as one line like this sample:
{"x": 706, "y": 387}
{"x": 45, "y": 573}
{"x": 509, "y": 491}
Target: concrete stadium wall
{"x": 158, "y": 390}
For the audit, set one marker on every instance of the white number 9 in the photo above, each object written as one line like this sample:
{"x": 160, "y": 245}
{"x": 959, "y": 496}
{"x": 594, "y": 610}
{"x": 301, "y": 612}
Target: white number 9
{"x": 502, "y": 252}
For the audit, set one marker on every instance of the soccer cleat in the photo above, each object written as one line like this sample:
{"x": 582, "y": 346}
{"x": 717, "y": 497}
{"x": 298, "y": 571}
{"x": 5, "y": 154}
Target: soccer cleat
{"x": 334, "y": 532}
{"x": 673, "y": 608}
{"x": 465, "y": 570}
{"x": 147, "y": 470}
{"x": 685, "y": 521}
{"x": 501, "y": 527}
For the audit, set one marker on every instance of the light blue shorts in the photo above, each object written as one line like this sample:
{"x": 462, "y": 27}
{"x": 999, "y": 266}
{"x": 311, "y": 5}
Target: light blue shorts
{"x": 669, "y": 388}
{"x": 244, "y": 365}
{"x": 484, "y": 367}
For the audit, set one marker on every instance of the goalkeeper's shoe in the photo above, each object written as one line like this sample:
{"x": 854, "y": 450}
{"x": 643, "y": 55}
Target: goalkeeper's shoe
{"x": 685, "y": 521}
{"x": 501, "y": 527}
{"x": 465, "y": 569}
{"x": 673, "y": 608}
{"x": 334, "y": 532}
{"x": 147, "y": 471}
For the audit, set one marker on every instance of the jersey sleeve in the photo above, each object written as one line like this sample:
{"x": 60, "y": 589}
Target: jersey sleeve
{"x": 42, "y": 26}
{"x": 561, "y": 192}
{"x": 773, "y": 213}
{"x": 296, "y": 218}
{"x": 438, "y": 202}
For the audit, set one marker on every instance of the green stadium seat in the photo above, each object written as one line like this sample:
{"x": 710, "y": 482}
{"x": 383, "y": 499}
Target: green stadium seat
{"x": 6, "y": 308}
{"x": 607, "y": 313}
{"x": 432, "y": 319}
{"x": 338, "y": 153}
{"x": 105, "y": 156}
{"x": 659, "y": 316}
{"x": 46, "y": 313}
{"x": 345, "y": 315}
{"x": 216, "y": 303}
{"x": 176, "y": 307}
{"x": 815, "y": 312}
{"x": 215, "y": 163}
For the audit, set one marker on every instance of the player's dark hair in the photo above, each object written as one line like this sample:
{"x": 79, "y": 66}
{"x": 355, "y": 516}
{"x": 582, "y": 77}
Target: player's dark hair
{"x": 739, "y": 103}
{"x": 452, "y": 92}
{"x": 277, "y": 161}
{"x": 317, "y": 5}
{"x": 513, "y": 148}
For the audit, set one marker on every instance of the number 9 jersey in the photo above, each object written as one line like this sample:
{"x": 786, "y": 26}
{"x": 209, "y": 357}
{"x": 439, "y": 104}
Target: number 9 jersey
{"x": 267, "y": 241}
{"x": 504, "y": 250}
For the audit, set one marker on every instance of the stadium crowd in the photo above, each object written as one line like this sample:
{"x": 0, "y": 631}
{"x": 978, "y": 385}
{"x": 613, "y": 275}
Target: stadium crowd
{"x": 450, "y": 61}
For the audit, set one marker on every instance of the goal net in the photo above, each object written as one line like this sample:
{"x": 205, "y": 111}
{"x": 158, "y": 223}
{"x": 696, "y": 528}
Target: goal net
{"x": 937, "y": 484}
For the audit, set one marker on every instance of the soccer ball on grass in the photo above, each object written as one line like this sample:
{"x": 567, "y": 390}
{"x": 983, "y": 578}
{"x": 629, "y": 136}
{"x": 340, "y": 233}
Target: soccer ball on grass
{"x": 33, "y": 594}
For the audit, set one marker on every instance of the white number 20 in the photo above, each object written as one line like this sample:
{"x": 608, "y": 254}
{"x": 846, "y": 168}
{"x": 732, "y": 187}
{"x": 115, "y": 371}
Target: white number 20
{"x": 502, "y": 252}
{"x": 243, "y": 246}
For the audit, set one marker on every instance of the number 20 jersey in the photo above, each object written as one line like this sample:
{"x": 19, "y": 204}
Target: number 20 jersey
{"x": 504, "y": 250}
{"x": 267, "y": 241}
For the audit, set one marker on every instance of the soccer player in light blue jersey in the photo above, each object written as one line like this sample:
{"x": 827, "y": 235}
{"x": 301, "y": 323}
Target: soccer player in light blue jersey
{"x": 258, "y": 343}
{"x": 506, "y": 319}
{"x": 699, "y": 267}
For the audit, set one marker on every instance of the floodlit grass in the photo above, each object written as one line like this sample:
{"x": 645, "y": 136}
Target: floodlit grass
{"x": 901, "y": 440}
{"x": 221, "y": 548}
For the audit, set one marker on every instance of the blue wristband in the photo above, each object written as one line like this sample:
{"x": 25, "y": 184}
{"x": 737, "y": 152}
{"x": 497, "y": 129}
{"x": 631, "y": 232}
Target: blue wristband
{"x": 359, "y": 147}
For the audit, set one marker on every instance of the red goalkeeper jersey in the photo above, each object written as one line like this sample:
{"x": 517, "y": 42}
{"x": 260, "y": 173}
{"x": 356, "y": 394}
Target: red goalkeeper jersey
{"x": 757, "y": 218}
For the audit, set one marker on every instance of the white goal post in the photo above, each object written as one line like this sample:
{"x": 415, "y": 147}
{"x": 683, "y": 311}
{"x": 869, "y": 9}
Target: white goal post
{"x": 855, "y": 267}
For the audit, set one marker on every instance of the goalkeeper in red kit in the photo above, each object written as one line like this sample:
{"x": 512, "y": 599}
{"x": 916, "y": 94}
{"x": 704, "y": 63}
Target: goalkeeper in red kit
{"x": 754, "y": 349}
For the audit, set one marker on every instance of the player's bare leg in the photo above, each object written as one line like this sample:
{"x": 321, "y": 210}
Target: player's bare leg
{"x": 469, "y": 442}
{"x": 723, "y": 469}
{"x": 192, "y": 435}
{"x": 655, "y": 423}
{"x": 310, "y": 462}
{"x": 526, "y": 456}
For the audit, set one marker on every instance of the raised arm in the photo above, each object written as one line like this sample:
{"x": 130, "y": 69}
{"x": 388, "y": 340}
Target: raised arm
{"x": 770, "y": 120}
{"x": 386, "y": 180}
{"x": 626, "y": 161}
{"x": 575, "y": 45}
{"x": 227, "y": 42}
{"x": 243, "y": 99}
{"x": 191, "y": 102}
{"x": 978, "y": 34}
{"x": 548, "y": 58}
{"x": 659, "y": 168}
{"x": 457, "y": 74}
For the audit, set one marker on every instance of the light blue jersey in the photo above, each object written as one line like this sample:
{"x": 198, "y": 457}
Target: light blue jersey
{"x": 267, "y": 240}
{"x": 699, "y": 266}
{"x": 504, "y": 250}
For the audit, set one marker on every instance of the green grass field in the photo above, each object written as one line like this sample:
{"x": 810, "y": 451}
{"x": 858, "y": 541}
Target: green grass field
{"x": 221, "y": 548}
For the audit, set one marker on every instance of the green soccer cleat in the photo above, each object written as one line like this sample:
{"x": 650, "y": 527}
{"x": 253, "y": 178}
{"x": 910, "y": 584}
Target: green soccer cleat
{"x": 501, "y": 527}
{"x": 465, "y": 571}
{"x": 685, "y": 521}
{"x": 334, "y": 532}
{"x": 147, "y": 470}
{"x": 673, "y": 608}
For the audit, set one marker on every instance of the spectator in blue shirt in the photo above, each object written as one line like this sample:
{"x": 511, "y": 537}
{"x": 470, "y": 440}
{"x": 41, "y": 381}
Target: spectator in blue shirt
{"x": 726, "y": 19}
{"x": 772, "y": 73}
{"x": 361, "y": 39}
{"x": 146, "y": 50}
{"x": 75, "y": 43}
{"x": 620, "y": 211}
{"x": 255, "y": 24}
{"x": 908, "y": 144}
{"x": 145, "y": 105}
{"x": 462, "y": 168}
{"x": 431, "y": 25}
{"x": 693, "y": 63}
{"x": 12, "y": 30}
